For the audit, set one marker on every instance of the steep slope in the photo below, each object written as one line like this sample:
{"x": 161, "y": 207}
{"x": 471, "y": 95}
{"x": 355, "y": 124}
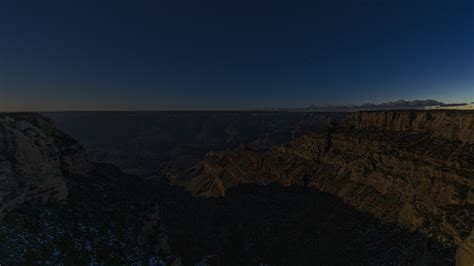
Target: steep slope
{"x": 139, "y": 142}
{"x": 58, "y": 208}
{"x": 35, "y": 159}
{"x": 452, "y": 125}
{"x": 411, "y": 167}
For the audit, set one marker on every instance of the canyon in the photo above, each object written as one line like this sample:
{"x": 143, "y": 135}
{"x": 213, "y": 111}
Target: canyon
{"x": 415, "y": 168}
{"x": 370, "y": 188}
{"x": 140, "y": 143}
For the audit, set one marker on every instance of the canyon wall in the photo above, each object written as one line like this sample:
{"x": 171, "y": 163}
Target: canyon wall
{"x": 35, "y": 159}
{"x": 415, "y": 168}
{"x": 450, "y": 124}
{"x": 56, "y": 207}
{"x": 139, "y": 142}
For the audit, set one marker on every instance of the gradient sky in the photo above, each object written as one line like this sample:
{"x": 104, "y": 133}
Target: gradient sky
{"x": 157, "y": 55}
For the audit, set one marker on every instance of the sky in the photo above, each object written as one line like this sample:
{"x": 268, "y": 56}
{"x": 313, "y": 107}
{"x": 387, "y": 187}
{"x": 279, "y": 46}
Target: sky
{"x": 225, "y": 55}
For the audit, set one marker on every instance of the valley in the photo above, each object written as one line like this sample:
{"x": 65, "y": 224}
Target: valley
{"x": 370, "y": 188}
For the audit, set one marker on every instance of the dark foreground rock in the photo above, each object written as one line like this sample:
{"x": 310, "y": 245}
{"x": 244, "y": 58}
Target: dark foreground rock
{"x": 58, "y": 208}
{"x": 296, "y": 225}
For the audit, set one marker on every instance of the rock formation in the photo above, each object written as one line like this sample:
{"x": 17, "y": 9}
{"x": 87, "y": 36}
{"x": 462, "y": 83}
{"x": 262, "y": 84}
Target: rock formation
{"x": 415, "y": 168}
{"x": 452, "y": 125}
{"x": 35, "y": 160}
{"x": 59, "y": 208}
{"x": 139, "y": 142}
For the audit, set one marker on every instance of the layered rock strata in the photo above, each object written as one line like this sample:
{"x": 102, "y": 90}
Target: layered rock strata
{"x": 415, "y": 168}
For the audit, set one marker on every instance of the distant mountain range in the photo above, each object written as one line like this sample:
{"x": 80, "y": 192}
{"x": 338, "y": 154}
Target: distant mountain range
{"x": 394, "y": 105}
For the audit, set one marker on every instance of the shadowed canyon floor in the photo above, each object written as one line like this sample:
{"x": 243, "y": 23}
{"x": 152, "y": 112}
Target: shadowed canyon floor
{"x": 288, "y": 226}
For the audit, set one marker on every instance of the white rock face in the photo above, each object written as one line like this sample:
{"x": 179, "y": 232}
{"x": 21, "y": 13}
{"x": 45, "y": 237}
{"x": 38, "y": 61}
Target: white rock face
{"x": 35, "y": 160}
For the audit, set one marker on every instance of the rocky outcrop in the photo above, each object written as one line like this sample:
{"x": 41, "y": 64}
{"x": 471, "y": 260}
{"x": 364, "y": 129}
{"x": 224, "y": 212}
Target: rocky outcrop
{"x": 453, "y": 125}
{"x": 35, "y": 159}
{"x": 415, "y": 168}
{"x": 59, "y": 208}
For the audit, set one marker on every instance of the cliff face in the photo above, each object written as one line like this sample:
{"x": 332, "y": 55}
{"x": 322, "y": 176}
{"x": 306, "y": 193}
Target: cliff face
{"x": 411, "y": 167}
{"x": 139, "y": 142}
{"x": 57, "y": 207}
{"x": 35, "y": 159}
{"x": 453, "y": 125}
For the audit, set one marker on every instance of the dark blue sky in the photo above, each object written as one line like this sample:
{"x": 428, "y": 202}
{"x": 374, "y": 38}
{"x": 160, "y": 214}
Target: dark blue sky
{"x": 142, "y": 55}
